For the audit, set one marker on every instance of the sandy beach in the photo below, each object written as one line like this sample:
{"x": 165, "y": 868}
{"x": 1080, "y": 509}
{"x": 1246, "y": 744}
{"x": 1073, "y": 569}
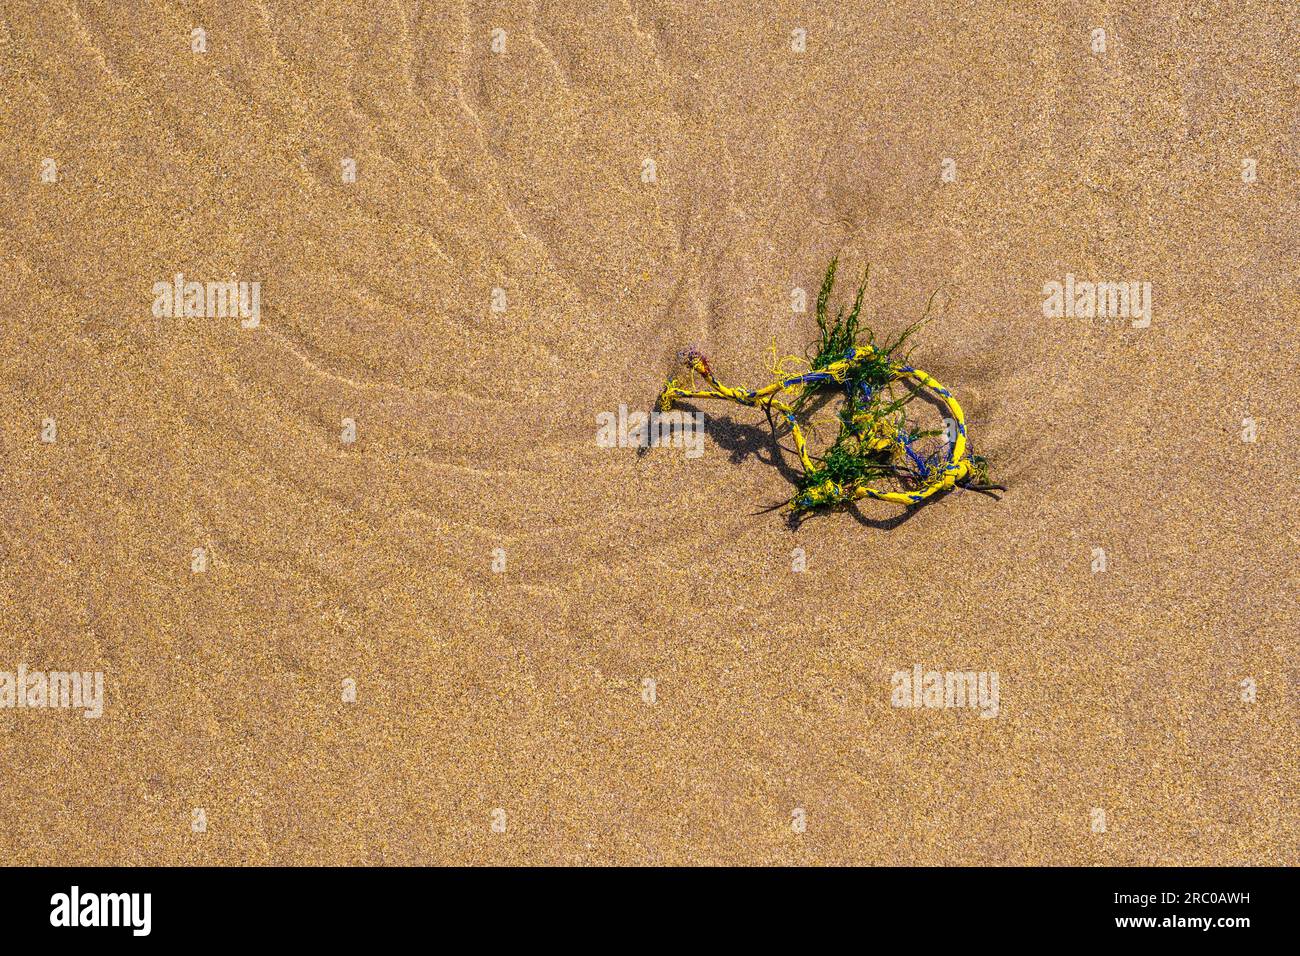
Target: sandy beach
{"x": 362, "y": 583}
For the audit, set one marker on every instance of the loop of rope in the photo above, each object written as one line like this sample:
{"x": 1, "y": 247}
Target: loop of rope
{"x": 875, "y": 435}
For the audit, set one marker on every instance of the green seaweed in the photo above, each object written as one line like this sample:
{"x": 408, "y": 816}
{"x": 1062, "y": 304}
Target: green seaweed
{"x": 868, "y": 396}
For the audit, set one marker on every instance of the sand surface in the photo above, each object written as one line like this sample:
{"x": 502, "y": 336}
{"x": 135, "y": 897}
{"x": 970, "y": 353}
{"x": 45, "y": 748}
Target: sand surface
{"x": 524, "y": 690}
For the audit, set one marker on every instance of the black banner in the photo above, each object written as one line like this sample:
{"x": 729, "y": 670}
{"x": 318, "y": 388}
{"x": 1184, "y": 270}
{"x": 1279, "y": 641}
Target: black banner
{"x": 943, "y": 906}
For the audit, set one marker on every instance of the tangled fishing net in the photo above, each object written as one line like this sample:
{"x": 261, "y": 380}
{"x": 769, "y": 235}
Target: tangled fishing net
{"x": 876, "y": 444}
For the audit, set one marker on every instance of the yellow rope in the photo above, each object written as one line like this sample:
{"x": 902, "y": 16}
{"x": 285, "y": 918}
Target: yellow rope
{"x": 957, "y": 467}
